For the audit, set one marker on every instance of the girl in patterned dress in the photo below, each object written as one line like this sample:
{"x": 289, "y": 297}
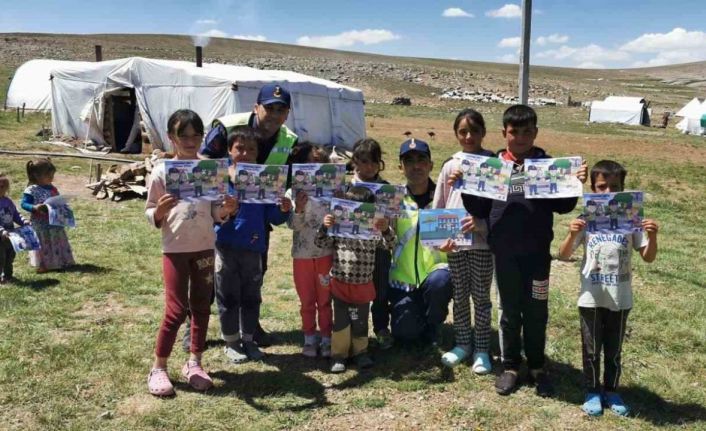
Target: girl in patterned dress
{"x": 55, "y": 251}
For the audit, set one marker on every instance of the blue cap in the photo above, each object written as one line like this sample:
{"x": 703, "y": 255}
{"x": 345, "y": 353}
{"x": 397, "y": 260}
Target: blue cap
{"x": 414, "y": 145}
{"x": 273, "y": 93}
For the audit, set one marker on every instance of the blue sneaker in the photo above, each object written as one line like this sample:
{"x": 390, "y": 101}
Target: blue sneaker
{"x": 616, "y": 404}
{"x": 592, "y": 404}
{"x": 481, "y": 363}
{"x": 455, "y": 356}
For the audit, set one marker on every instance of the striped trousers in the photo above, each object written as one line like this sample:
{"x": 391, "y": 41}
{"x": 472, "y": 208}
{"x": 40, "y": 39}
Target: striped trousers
{"x": 472, "y": 275}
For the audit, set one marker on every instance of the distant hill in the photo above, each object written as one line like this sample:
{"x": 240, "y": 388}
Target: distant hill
{"x": 380, "y": 77}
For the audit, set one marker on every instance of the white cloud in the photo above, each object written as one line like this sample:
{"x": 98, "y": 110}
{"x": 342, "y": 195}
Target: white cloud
{"x": 214, "y": 32}
{"x": 677, "y": 46}
{"x": 589, "y": 53}
{"x": 507, "y": 11}
{"x": 349, "y": 38}
{"x": 590, "y": 65}
{"x": 552, "y": 38}
{"x": 510, "y": 58}
{"x": 677, "y": 39}
{"x": 258, "y": 37}
{"x": 206, "y": 22}
{"x": 510, "y": 42}
{"x": 456, "y": 12}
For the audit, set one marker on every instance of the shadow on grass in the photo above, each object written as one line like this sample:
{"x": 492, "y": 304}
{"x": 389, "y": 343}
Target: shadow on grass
{"x": 645, "y": 404}
{"x": 36, "y": 285}
{"x": 266, "y": 390}
{"x": 87, "y": 268}
{"x": 651, "y": 407}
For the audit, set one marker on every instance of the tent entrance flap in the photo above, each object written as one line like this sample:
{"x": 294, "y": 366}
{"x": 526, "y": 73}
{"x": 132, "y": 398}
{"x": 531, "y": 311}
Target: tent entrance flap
{"x": 121, "y": 120}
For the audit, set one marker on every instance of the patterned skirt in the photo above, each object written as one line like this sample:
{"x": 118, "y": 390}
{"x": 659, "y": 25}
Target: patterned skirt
{"x": 55, "y": 252}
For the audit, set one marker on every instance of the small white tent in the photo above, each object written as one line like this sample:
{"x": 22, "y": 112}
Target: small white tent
{"x": 323, "y": 112}
{"x": 619, "y": 109}
{"x": 693, "y": 114}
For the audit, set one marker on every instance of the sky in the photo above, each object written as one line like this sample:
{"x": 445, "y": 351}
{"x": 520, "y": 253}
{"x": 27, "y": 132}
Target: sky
{"x": 575, "y": 33}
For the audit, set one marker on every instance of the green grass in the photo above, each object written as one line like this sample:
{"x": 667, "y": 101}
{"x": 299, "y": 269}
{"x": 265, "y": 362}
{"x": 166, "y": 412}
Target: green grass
{"x": 77, "y": 345}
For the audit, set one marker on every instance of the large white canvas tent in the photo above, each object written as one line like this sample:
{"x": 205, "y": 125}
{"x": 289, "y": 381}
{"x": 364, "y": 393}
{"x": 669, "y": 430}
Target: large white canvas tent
{"x": 30, "y": 87}
{"x": 693, "y": 117}
{"x": 620, "y": 109}
{"x": 323, "y": 112}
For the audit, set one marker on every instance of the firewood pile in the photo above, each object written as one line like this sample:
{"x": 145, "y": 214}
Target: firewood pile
{"x": 120, "y": 182}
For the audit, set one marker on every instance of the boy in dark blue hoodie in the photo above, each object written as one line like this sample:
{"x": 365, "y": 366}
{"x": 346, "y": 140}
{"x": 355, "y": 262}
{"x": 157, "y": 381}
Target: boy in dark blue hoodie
{"x": 240, "y": 242}
{"x": 519, "y": 237}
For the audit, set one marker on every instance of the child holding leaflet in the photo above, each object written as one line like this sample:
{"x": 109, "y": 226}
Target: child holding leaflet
{"x": 187, "y": 245}
{"x": 9, "y": 216}
{"x": 311, "y": 264}
{"x": 606, "y": 292}
{"x": 352, "y": 285}
{"x": 471, "y": 266}
{"x": 55, "y": 251}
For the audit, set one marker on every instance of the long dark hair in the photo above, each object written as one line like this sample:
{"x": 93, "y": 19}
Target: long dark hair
{"x": 181, "y": 119}
{"x": 368, "y": 149}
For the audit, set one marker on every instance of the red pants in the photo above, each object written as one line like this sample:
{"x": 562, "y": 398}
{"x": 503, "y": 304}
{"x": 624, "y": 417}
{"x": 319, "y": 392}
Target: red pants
{"x": 312, "y": 281}
{"x": 188, "y": 285}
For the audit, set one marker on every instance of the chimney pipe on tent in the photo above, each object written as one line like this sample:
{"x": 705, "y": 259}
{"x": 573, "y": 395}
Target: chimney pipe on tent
{"x": 199, "y": 56}
{"x": 99, "y": 53}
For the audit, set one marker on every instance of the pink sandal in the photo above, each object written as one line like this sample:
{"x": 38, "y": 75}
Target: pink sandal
{"x": 159, "y": 384}
{"x": 196, "y": 376}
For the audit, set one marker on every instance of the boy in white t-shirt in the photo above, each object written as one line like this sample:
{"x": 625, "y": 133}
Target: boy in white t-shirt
{"x": 606, "y": 292}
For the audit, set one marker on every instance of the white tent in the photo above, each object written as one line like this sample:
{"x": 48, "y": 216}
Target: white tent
{"x": 692, "y": 114}
{"x": 323, "y": 112}
{"x": 31, "y": 85}
{"x": 619, "y": 109}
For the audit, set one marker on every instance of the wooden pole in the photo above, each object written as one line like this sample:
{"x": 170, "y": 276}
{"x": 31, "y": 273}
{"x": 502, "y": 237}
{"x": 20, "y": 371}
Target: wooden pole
{"x": 99, "y": 53}
{"x": 525, "y": 52}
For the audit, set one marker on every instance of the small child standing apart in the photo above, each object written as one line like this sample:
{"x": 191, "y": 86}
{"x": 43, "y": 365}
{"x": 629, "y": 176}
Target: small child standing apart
{"x": 9, "y": 216}
{"x": 187, "y": 263}
{"x": 240, "y": 243}
{"x": 367, "y": 164}
{"x": 311, "y": 264}
{"x": 471, "y": 266}
{"x": 55, "y": 251}
{"x": 351, "y": 284}
{"x": 606, "y": 292}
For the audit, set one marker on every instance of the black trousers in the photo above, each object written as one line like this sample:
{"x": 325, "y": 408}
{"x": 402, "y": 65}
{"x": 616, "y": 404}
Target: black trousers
{"x": 523, "y": 284}
{"x": 380, "y": 307}
{"x": 602, "y": 329}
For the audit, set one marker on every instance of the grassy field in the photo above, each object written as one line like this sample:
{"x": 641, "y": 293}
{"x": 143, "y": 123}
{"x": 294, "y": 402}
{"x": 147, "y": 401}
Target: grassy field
{"x": 77, "y": 345}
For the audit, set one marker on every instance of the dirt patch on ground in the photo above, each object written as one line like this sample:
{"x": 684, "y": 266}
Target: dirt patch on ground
{"x": 74, "y": 185}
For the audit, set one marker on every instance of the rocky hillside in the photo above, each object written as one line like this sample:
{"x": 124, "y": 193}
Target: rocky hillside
{"x": 382, "y": 78}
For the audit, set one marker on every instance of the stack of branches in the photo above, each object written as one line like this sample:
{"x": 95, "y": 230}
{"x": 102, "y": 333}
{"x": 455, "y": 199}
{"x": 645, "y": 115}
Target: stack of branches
{"x": 121, "y": 182}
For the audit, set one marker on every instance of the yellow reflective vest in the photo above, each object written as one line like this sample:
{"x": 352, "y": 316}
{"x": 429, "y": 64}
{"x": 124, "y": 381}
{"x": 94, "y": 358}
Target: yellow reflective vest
{"x": 285, "y": 137}
{"x": 412, "y": 262}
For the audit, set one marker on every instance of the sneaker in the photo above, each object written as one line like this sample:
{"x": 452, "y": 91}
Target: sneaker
{"x": 543, "y": 385}
{"x": 363, "y": 361}
{"x": 236, "y": 353}
{"x": 325, "y": 349}
{"x": 481, "y": 363}
{"x": 253, "y": 351}
{"x": 338, "y": 366}
{"x": 616, "y": 404}
{"x": 159, "y": 384}
{"x": 592, "y": 404}
{"x": 384, "y": 339}
{"x": 506, "y": 383}
{"x": 262, "y": 338}
{"x": 309, "y": 350}
{"x": 455, "y": 356}
{"x": 196, "y": 376}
